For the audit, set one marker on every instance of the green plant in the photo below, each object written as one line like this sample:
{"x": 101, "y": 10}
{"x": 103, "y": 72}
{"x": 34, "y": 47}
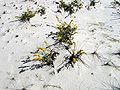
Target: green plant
{"x": 65, "y": 33}
{"x": 26, "y": 16}
{"x": 44, "y": 56}
{"x": 70, "y": 8}
{"x": 73, "y": 57}
{"x": 47, "y": 56}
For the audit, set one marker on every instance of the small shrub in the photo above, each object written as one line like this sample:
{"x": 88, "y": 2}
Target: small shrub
{"x": 70, "y": 8}
{"x": 65, "y": 33}
{"x": 26, "y": 16}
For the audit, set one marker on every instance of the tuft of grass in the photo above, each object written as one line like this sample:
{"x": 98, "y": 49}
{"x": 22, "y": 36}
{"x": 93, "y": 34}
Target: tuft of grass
{"x": 26, "y": 16}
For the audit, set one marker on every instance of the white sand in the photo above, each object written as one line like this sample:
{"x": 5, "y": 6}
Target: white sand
{"x": 105, "y": 40}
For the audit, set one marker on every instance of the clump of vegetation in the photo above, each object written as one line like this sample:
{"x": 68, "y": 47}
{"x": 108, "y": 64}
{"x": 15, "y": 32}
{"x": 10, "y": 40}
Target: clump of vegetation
{"x": 47, "y": 56}
{"x": 44, "y": 57}
{"x": 76, "y": 55}
{"x": 70, "y": 8}
{"x": 42, "y": 10}
{"x": 65, "y": 33}
{"x": 73, "y": 57}
{"x": 26, "y": 16}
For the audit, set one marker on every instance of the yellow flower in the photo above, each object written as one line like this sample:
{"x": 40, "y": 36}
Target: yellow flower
{"x": 74, "y": 60}
{"x": 35, "y": 59}
{"x": 81, "y": 4}
{"x": 60, "y": 26}
{"x": 41, "y": 48}
{"x": 76, "y": 27}
{"x": 59, "y": 38}
{"x": 69, "y": 38}
{"x": 74, "y": 43}
{"x": 82, "y": 50}
{"x": 36, "y": 55}
{"x": 45, "y": 42}
{"x": 57, "y": 17}
{"x": 52, "y": 33}
{"x": 75, "y": 32}
{"x": 84, "y": 53}
{"x": 62, "y": 30}
{"x": 57, "y": 25}
{"x": 72, "y": 20}
{"x": 39, "y": 58}
{"x": 36, "y": 12}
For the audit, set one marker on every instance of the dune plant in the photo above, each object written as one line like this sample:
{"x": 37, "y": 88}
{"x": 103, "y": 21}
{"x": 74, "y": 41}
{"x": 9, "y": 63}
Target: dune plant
{"x": 71, "y": 7}
{"x": 73, "y": 57}
{"x": 76, "y": 55}
{"x": 26, "y": 16}
{"x": 65, "y": 33}
{"x": 47, "y": 56}
{"x": 44, "y": 57}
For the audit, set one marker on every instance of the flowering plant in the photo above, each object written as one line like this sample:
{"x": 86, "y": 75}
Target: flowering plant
{"x": 72, "y": 58}
{"x": 26, "y": 15}
{"x": 47, "y": 56}
{"x": 65, "y": 33}
{"x": 44, "y": 57}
